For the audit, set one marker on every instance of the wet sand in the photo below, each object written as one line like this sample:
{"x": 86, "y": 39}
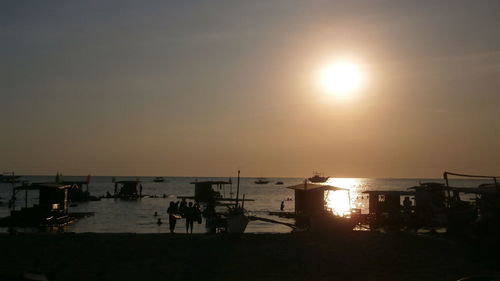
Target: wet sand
{"x": 354, "y": 256}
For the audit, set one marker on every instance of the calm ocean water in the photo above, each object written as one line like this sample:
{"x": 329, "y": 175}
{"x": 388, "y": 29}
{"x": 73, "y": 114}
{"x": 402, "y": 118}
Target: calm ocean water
{"x": 115, "y": 215}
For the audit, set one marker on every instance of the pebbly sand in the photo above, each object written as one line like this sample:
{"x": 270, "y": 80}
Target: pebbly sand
{"x": 353, "y": 256}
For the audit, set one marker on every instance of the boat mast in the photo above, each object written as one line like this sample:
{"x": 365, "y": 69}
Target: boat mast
{"x": 237, "y": 189}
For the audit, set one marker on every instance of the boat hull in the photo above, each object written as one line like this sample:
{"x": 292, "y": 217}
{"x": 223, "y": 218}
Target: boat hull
{"x": 237, "y": 223}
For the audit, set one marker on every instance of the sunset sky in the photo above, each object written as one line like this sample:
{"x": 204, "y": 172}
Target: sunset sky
{"x": 203, "y": 88}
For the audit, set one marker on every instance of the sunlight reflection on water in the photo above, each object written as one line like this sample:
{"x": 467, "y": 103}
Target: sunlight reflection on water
{"x": 341, "y": 202}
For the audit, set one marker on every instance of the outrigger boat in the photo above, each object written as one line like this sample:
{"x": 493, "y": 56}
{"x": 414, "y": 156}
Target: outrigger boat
{"x": 480, "y": 213}
{"x": 313, "y": 214}
{"x": 127, "y": 189}
{"x": 233, "y": 218}
{"x": 50, "y": 210}
{"x": 458, "y": 210}
{"x": 236, "y": 218}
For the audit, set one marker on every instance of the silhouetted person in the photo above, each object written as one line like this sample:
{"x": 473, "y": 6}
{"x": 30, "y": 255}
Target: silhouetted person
{"x": 182, "y": 208}
{"x": 156, "y": 214}
{"x": 172, "y": 219}
{"x": 159, "y": 222}
{"x": 197, "y": 212}
{"x": 189, "y": 212}
{"x": 282, "y": 207}
{"x": 407, "y": 204}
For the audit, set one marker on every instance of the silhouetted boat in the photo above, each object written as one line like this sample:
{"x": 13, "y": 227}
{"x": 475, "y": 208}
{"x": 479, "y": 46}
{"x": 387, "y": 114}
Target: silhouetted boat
{"x": 236, "y": 219}
{"x": 51, "y": 209}
{"x": 261, "y": 181}
{"x": 159, "y": 179}
{"x": 233, "y": 220}
{"x": 127, "y": 189}
{"x": 318, "y": 178}
{"x": 312, "y": 213}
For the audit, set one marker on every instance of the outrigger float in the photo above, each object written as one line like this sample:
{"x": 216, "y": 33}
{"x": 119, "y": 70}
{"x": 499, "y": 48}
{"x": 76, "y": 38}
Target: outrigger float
{"x": 51, "y": 209}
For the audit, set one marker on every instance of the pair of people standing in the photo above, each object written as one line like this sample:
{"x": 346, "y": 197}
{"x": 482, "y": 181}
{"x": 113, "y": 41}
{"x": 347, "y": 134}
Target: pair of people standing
{"x": 190, "y": 212}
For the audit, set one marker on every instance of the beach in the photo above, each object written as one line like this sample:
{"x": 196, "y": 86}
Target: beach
{"x": 296, "y": 256}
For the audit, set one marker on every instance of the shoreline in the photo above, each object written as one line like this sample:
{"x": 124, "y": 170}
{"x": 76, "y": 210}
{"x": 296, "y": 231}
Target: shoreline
{"x": 297, "y": 256}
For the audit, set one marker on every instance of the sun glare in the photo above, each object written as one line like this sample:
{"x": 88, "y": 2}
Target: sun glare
{"x": 341, "y": 78}
{"x": 339, "y": 202}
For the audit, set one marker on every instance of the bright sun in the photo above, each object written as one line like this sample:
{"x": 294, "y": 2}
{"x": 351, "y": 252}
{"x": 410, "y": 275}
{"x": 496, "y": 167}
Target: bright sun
{"x": 341, "y": 78}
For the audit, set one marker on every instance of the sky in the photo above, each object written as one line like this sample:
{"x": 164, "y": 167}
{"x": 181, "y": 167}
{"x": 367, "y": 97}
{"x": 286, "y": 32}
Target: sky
{"x": 204, "y": 88}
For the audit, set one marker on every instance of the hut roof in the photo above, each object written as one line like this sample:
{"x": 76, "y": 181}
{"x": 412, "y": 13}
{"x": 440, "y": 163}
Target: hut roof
{"x": 309, "y": 186}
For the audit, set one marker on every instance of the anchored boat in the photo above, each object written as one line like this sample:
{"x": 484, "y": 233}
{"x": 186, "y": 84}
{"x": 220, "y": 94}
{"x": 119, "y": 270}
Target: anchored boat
{"x": 261, "y": 181}
{"x": 318, "y": 178}
{"x": 51, "y": 208}
{"x": 158, "y": 179}
{"x": 312, "y": 212}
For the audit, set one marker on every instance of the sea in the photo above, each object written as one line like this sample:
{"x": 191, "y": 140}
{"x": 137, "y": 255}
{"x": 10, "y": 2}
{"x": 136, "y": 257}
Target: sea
{"x": 138, "y": 216}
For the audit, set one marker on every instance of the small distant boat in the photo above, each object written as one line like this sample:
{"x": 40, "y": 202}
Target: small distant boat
{"x": 279, "y": 183}
{"x": 158, "y": 179}
{"x": 318, "y": 177}
{"x": 261, "y": 181}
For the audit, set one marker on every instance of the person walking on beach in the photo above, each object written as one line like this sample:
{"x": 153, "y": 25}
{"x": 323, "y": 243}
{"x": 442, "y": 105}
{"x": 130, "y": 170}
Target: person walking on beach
{"x": 282, "y": 207}
{"x": 182, "y": 208}
{"x": 172, "y": 216}
{"x": 189, "y": 213}
{"x": 197, "y": 213}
